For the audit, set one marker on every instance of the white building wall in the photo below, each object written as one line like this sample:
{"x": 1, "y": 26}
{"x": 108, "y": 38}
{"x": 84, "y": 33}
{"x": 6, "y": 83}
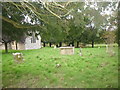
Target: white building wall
{"x": 24, "y": 46}
{"x": 29, "y": 45}
{"x": 21, "y": 46}
{"x": 2, "y": 46}
{"x": 13, "y": 44}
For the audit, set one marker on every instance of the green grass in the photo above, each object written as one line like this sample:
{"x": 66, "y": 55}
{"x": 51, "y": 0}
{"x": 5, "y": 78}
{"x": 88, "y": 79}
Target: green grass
{"x": 95, "y": 69}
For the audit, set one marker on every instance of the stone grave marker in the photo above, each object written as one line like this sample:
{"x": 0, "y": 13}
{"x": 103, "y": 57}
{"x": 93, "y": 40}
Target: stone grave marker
{"x": 67, "y": 50}
{"x": 80, "y": 51}
{"x": 54, "y": 46}
{"x": 18, "y": 57}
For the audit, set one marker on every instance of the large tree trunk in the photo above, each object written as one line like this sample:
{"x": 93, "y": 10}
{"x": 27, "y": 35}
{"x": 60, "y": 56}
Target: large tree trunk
{"x": 6, "y": 48}
{"x": 92, "y": 43}
{"x": 16, "y": 46}
{"x": 56, "y": 45}
{"x": 43, "y": 44}
{"x": 50, "y": 44}
{"x": 73, "y": 43}
{"x": 60, "y": 44}
{"x": 77, "y": 44}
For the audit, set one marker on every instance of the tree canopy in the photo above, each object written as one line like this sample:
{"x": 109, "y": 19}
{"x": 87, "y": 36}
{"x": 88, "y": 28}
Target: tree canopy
{"x": 58, "y": 21}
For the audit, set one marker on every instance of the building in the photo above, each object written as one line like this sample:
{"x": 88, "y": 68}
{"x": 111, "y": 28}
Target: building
{"x": 30, "y": 42}
{"x": 2, "y": 46}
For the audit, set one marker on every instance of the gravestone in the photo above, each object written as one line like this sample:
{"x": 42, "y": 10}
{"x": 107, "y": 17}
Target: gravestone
{"x": 54, "y": 46}
{"x": 18, "y": 57}
{"x": 67, "y": 50}
{"x": 58, "y": 65}
{"x": 110, "y": 50}
{"x": 80, "y": 51}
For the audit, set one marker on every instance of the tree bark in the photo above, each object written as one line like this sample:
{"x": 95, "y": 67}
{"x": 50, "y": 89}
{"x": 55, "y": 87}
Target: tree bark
{"x": 73, "y": 43}
{"x": 50, "y": 44}
{"x": 16, "y": 46}
{"x": 69, "y": 44}
{"x": 92, "y": 43}
{"x": 77, "y": 44}
{"x": 43, "y": 44}
{"x": 60, "y": 44}
{"x": 6, "y": 48}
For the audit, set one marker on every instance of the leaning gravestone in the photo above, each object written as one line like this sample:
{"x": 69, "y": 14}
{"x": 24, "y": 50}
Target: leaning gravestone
{"x": 18, "y": 57}
{"x": 67, "y": 50}
{"x": 80, "y": 51}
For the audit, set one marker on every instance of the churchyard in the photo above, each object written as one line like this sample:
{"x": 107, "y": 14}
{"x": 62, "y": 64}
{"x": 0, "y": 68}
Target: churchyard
{"x": 47, "y": 68}
{"x": 59, "y": 44}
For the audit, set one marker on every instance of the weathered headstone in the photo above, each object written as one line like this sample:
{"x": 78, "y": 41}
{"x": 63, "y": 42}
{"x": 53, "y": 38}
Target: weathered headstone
{"x": 80, "y": 51}
{"x": 106, "y": 48}
{"x": 18, "y": 57}
{"x": 98, "y": 47}
{"x": 110, "y": 50}
{"x": 71, "y": 45}
{"x": 54, "y": 46}
{"x": 67, "y": 50}
{"x": 58, "y": 65}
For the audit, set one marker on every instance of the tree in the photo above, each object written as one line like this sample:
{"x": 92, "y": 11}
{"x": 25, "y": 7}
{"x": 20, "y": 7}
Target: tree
{"x": 54, "y": 32}
{"x": 92, "y": 34}
{"x": 35, "y": 11}
{"x": 76, "y": 24}
{"x": 9, "y": 31}
{"x": 118, "y": 30}
{"x": 96, "y": 12}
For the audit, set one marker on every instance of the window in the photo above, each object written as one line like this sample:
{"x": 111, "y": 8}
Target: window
{"x": 33, "y": 40}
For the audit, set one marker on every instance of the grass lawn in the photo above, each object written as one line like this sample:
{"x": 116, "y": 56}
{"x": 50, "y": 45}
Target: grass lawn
{"x": 95, "y": 69}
